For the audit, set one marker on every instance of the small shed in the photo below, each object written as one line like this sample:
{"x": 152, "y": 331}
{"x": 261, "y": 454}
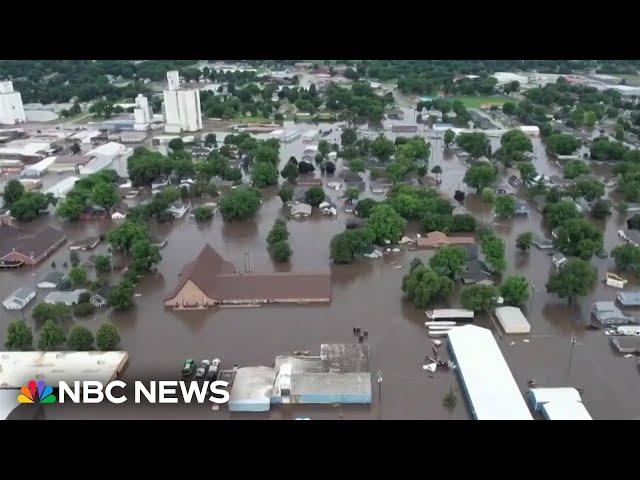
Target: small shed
{"x": 512, "y": 320}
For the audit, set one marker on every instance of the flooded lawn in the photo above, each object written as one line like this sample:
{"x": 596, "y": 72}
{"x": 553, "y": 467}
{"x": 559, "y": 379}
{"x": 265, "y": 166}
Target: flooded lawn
{"x": 366, "y": 294}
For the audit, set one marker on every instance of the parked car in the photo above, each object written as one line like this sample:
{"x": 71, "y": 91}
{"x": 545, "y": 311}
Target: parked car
{"x": 188, "y": 367}
{"x": 203, "y": 368}
{"x": 214, "y": 368}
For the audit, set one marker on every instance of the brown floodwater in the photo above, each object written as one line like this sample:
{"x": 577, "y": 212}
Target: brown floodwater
{"x": 366, "y": 294}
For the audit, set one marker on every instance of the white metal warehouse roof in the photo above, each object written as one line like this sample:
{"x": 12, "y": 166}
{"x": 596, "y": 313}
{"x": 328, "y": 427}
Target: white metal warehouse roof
{"x": 490, "y": 387}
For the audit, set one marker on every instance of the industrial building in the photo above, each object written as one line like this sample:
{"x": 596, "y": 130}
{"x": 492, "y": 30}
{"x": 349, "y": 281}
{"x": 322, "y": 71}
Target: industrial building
{"x": 142, "y": 113}
{"x": 11, "y": 108}
{"x": 492, "y": 392}
{"x": 558, "y": 403}
{"x": 111, "y": 155}
{"x": 182, "y": 112}
{"x": 60, "y": 189}
{"x": 340, "y": 374}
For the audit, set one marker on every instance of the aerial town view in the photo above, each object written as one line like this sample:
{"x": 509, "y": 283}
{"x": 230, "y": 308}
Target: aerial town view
{"x": 325, "y": 239}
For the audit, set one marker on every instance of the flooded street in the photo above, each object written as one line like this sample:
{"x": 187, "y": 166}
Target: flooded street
{"x": 366, "y": 294}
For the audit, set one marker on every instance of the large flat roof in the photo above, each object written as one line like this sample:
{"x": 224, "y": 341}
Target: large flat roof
{"x": 492, "y": 391}
{"x": 512, "y": 320}
{"x": 17, "y": 368}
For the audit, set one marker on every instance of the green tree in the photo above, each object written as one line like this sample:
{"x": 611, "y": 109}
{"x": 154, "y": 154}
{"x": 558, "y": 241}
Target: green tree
{"x": 356, "y": 165}
{"x": 121, "y": 297}
{"x": 290, "y": 172}
{"x": 281, "y": 251}
{"x": 105, "y": 195}
{"x": 505, "y": 206}
{"x": 324, "y": 147}
{"x": 382, "y": 148}
{"x": 211, "y": 140}
{"x": 286, "y": 193}
{"x": 278, "y": 232}
{"x": 19, "y": 336}
{"x": 488, "y": 195}
{"x": 344, "y": 245}
{"x": 524, "y": 241}
{"x": 240, "y": 204}
{"x": 348, "y": 137}
{"x": 509, "y": 108}
{"x": 575, "y": 168}
{"x": 264, "y": 174}
{"x": 78, "y": 276}
{"x": 480, "y": 176}
{"x": 170, "y": 194}
{"x": 203, "y": 213}
{"x": 176, "y": 144}
{"x": 70, "y": 208}
{"x": 572, "y": 280}
{"x": 437, "y": 171}
{"x": 515, "y": 291}
{"x": 449, "y": 137}
{"x": 83, "y": 309}
{"x": 627, "y": 258}
{"x": 365, "y": 206}
{"x": 558, "y": 213}
{"x": 476, "y": 143}
{"x": 51, "y": 336}
{"x": 479, "y": 298}
{"x": 578, "y": 237}
{"x": 527, "y": 171}
{"x": 493, "y": 249}
{"x": 145, "y": 255}
{"x": 386, "y": 224}
{"x": 29, "y": 206}
{"x": 562, "y": 144}
{"x": 13, "y": 191}
{"x": 123, "y": 236}
{"x": 80, "y": 339}
{"x": 314, "y": 196}
{"x": 107, "y": 337}
{"x": 589, "y": 119}
{"x": 51, "y": 311}
{"x": 423, "y": 285}
{"x": 449, "y": 261}
{"x": 601, "y": 208}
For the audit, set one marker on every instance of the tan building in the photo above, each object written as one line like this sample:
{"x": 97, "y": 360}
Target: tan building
{"x": 210, "y": 280}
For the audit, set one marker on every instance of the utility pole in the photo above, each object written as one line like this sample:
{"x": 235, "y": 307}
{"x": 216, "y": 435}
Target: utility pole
{"x": 380, "y": 390}
{"x": 533, "y": 293}
{"x": 573, "y": 346}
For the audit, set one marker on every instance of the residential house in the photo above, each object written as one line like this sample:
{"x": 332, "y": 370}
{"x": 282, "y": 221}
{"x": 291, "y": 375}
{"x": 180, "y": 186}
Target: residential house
{"x": 353, "y": 180}
{"x": 438, "y": 239}
{"x": 210, "y": 280}
{"x": 478, "y": 272}
{"x": 630, "y": 236}
{"x": 608, "y": 314}
{"x": 28, "y": 248}
{"x": 99, "y": 298}
{"x": 68, "y": 298}
{"x": 629, "y": 299}
{"x": 540, "y": 201}
{"x": 543, "y": 243}
{"x": 559, "y": 260}
{"x": 51, "y": 279}
{"x": 514, "y": 181}
{"x": 119, "y": 212}
{"x": 178, "y": 210}
{"x": 158, "y": 241}
{"x": 19, "y": 299}
{"x": 301, "y": 210}
{"x": 88, "y": 243}
{"x": 93, "y": 212}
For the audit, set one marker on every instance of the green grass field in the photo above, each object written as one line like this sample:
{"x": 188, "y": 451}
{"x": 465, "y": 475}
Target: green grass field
{"x": 475, "y": 102}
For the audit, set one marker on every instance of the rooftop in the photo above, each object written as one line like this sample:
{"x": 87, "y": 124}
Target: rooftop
{"x": 492, "y": 391}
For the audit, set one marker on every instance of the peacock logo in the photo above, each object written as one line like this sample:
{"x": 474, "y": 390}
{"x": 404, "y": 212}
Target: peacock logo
{"x": 36, "y": 392}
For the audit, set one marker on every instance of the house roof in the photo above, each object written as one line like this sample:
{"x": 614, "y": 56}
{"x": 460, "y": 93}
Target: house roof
{"x": 20, "y": 294}
{"x": 218, "y": 280}
{"x": 28, "y": 244}
{"x": 54, "y": 276}
{"x": 435, "y": 239}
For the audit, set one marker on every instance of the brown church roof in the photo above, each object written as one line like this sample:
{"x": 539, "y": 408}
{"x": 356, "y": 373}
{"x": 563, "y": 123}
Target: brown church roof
{"x": 218, "y": 280}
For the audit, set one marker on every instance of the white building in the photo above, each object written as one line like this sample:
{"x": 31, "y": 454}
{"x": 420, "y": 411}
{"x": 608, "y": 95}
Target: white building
{"x": 488, "y": 384}
{"x": 181, "y": 107}
{"x": 507, "y": 77}
{"x": 11, "y": 108}
{"x": 142, "y": 114}
{"x": 111, "y": 155}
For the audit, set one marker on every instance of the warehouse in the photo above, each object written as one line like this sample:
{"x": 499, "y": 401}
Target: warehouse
{"x": 558, "y": 403}
{"x": 489, "y": 386}
{"x": 512, "y": 320}
{"x": 38, "y": 169}
{"x": 60, "y": 189}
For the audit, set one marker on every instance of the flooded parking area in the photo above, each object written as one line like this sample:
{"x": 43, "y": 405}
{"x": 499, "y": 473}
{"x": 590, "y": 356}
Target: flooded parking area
{"x": 365, "y": 294}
